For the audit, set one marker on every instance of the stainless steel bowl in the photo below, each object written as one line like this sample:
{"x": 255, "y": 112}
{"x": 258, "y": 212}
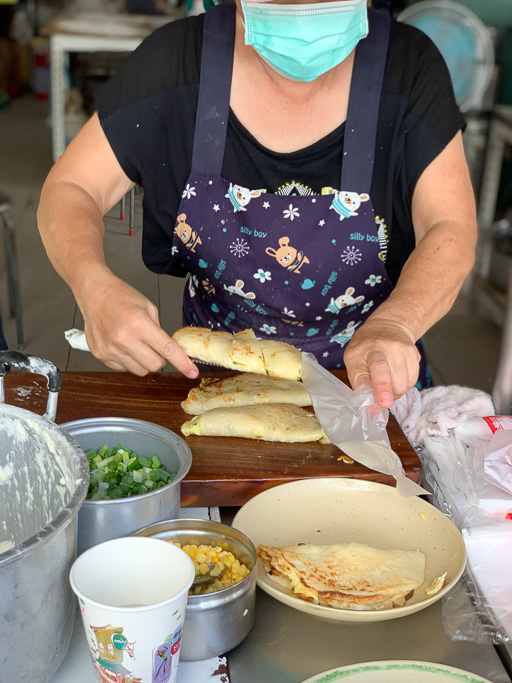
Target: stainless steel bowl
{"x": 215, "y": 622}
{"x": 101, "y": 520}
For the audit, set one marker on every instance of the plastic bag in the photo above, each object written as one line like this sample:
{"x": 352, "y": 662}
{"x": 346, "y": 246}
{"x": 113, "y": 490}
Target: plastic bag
{"x": 479, "y": 608}
{"x": 355, "y": 423}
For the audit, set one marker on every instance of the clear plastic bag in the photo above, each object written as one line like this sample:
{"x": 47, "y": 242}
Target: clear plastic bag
{"x": 479, "y": 608}
{"x": 355, "y": 423}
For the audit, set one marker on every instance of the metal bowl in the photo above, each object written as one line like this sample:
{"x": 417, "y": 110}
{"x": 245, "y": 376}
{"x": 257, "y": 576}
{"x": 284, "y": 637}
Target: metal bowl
{"x": 101, "y": 520}
{"x": 215, "y": 622}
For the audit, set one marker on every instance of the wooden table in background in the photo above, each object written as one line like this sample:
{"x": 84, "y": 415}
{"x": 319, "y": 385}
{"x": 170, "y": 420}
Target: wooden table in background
{"x": 225, "y": 471}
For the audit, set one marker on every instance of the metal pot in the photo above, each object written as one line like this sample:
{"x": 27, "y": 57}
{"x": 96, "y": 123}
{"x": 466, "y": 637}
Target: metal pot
{"x": 101, "y": 520}
{"x": 215, "y": 623}
{"x": 44, "y": 477}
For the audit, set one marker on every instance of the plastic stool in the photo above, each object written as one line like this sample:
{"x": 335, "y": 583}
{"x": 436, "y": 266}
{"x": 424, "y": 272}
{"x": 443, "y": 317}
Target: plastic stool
{"x": 11, "y": 265}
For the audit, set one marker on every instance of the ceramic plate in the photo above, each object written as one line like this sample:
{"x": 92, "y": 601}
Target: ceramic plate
{"x": 397, "y": 672}
{"x": 339, "y": 510}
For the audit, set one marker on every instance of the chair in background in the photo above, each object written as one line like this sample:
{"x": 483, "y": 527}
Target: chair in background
{"x": 11, "y": 265}
{"x": 122, "y": 216}
{"x": 502, "y": 388}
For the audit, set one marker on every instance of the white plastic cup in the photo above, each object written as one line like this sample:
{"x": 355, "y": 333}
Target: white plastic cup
{"x": 132, "y": 593}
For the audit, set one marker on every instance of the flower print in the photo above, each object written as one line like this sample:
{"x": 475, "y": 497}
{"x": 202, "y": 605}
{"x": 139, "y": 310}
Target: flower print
{"x": 373, "y": 280}
{"x": 351, "y": 256}
{"x": 367, "y": 307}
{"x": 268, "y": 329}
{"x": 263, "y": 275}
{"x": 239, "y": 248}
{"x": 290, "y": 314}
{"x": 291, "y": 212}
{"x": 188, "y": 192}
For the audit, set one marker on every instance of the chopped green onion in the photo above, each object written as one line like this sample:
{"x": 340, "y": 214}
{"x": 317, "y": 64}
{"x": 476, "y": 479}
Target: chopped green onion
{"x": 121, "y": 473}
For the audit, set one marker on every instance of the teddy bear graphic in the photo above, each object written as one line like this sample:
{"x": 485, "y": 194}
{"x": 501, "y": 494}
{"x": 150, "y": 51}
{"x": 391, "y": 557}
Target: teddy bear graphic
{"x": 288, "y": 256}
{"x": 241, "y": 196}
{"x": 188, "y": 236}
{"x": 346, "y": 203}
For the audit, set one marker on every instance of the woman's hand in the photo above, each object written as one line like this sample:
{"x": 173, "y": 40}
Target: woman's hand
{"x": 123, "y": 331}
{"x": 383, "y": 352}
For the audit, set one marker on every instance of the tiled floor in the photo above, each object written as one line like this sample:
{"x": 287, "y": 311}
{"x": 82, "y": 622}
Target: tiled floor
{"x": 462, "y": 348}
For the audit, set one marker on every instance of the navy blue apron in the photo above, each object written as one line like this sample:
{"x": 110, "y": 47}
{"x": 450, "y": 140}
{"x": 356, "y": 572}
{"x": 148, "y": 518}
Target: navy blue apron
{"x": 307, "y": 270}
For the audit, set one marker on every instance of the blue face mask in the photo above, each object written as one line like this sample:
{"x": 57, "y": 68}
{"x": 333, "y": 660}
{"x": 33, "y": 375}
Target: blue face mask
{"x": 302, "y": 42}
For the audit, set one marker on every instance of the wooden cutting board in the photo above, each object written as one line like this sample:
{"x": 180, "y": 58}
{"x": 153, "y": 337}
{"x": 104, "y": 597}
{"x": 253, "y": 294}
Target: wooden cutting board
{"x": 224, "y": 472}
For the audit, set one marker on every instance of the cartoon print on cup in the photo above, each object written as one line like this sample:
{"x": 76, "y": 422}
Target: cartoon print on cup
{"x": 188, "y": 236}
{"x": 343, "y": 300}
{"x": 287, "y": 256}
{"x": 164, "y": 654}
{"x": 109, "y": 644}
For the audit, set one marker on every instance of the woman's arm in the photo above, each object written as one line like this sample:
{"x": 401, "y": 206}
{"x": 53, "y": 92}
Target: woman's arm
{"x": 444, "y": 218}
{"x": 121, "y": 325}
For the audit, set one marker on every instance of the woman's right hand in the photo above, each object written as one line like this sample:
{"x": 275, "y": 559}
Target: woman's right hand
{"x": 122, "y": 328}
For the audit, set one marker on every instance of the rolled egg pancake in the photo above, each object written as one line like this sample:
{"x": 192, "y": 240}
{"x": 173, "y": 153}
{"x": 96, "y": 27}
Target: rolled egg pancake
{"x": 242, "y": 351}
{"x": 345, "y": 575}
{"x": 268, "y": 422}
{"x": 246, "y": 389}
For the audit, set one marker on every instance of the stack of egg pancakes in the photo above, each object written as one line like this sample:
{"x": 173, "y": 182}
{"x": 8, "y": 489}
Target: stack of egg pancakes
{"x": 265, "y": 402}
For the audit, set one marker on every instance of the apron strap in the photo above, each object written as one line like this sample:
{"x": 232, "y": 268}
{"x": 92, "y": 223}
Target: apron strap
{"x": 363, "y": 105}
{"x": 214, "y": 90}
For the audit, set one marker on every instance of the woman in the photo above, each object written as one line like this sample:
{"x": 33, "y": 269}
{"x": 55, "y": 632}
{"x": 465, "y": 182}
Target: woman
{"x": 314, "y": 185}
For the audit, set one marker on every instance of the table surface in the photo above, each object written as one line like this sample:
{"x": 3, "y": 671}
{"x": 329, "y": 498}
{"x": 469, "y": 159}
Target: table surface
{"x": 109, "y": 24}
{"x": 287, "y": 646}
{"x": 225, "y": 471}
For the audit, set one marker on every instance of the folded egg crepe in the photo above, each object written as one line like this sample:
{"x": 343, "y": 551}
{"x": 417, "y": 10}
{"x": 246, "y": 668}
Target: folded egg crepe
{"x": 242, "y": 351}
{"x": 347, "y": 576}
{"x": 268, "y": 422}
{"x": 246, "y": 389}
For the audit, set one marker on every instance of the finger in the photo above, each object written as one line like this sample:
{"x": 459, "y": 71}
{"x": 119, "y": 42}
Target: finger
{"x": 171, "y": 351}
{"x": 381, "y": 379}
{"x": 145, "y": 356}
{"x": 400, "y": 376}
{"x": 125, "y": 362}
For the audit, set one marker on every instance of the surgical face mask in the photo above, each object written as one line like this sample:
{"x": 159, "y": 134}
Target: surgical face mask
{"x": 302, "y": 42}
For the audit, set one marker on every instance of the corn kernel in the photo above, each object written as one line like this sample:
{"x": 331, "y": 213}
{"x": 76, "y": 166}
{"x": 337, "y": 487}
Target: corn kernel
{"x": 203, "y": 556}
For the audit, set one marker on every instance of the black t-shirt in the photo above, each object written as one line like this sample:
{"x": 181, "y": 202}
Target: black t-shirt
{"x": 148, "y": 109}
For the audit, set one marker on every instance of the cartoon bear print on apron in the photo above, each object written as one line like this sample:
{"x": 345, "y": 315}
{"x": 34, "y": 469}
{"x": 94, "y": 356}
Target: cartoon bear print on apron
{"x": 307, "y": 270}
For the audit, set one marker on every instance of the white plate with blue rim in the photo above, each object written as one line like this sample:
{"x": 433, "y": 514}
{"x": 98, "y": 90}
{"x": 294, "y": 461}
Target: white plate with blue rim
{"x": 397, "y": 672}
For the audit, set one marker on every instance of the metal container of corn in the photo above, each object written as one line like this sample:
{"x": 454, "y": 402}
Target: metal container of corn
{"x": 214, "y": 622}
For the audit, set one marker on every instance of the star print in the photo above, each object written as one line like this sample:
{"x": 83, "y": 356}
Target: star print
{"x": 318, "y": 317}
{"x": 266, "y": 205}
{"x": 325, "y": 354}
{"x": 321, "y": 223}
{"x": 216, "y": 207}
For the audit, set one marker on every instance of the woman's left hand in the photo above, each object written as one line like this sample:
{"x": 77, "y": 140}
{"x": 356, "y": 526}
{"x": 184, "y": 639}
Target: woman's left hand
{"x": 383, "y": 352}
